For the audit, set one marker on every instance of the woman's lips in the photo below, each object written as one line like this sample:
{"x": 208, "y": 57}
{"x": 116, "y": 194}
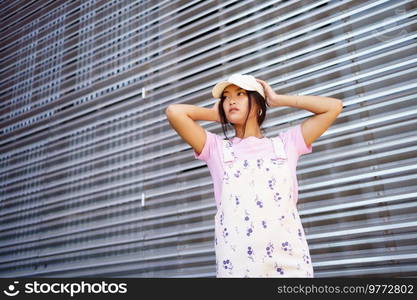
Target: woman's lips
{"x": 233, "y": 110}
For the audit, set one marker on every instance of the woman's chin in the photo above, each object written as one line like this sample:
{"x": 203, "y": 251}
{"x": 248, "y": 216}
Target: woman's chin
{"x": 235, "y": 120}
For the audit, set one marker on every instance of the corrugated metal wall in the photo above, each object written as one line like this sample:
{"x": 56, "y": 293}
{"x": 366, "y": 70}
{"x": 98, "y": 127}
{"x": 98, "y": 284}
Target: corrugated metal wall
{"x": 94, "y": 181}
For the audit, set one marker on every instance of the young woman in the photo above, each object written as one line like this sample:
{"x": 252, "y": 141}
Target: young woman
{"x": 258, "y": 231}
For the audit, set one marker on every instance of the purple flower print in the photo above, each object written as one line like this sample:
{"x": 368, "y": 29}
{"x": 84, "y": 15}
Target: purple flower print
{"x": 226, "y": 177}
{"x": 258, "y": 202}
{"x": 271, "y": 183}
{"x": 281, "y": 218}
{"x": 227, "y": 264}
{"x": 276, "y": 161}
{"x": 237, "y": 200}
{"x": 285, "y": 246}
{"x": 221, "y": 218}
{"x": 246, "y": 215}
{"x": 250, "y": 253}
{"x": 277, "y": 197}
{"x": 269, "y": 249}
{"x": 245, "y": 164}
{"x": 300, "y": 234}
{"x": 225, "y": 233}
{"x": 259, "y": 163}
{"x": 279, "y": 269}
{"x": 230, "y": 146}
{"x": 306, "y": 259}
{"x": 249, "y": 231}
{"x": 237, "y": 174}
{"x": 264, "y": 224}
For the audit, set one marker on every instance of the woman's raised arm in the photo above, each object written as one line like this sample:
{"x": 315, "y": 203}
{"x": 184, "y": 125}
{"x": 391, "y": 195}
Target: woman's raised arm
{"x": 183, "y": 117}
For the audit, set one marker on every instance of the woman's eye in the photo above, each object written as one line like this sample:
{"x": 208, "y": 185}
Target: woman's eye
{"x": 227, "y": 97}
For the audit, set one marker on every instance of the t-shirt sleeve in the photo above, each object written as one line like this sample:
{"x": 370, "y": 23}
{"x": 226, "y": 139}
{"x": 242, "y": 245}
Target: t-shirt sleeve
{"x": 294, "y": 137}
{"x": 208, "y": 147}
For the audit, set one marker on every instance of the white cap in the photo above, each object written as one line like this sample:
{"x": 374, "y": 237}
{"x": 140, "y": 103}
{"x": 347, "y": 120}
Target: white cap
{"x": 247, "y": 82}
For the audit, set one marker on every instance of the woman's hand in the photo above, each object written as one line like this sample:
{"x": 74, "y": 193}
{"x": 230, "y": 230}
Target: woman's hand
{"x": 216, "y": 109}
{"x": 272, "y": 98}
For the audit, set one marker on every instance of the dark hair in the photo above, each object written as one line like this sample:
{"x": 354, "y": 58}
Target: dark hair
{"x": 253, "y": 96}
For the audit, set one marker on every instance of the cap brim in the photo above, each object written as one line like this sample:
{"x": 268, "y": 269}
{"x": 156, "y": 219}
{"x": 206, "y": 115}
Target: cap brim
{"x": 219, "y": 87}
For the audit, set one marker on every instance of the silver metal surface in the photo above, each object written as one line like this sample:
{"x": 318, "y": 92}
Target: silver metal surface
{"x": 94, "y": 181}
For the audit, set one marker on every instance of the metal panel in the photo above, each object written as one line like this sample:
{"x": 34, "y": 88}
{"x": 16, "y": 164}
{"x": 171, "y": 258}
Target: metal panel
{"x": 94, "y": 181}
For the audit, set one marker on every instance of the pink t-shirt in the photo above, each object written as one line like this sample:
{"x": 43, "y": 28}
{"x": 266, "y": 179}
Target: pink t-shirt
{"x": 251, "y": 147}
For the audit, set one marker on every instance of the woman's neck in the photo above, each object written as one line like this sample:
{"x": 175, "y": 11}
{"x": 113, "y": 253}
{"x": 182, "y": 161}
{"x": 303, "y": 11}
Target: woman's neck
{"x": 254, "y": 132}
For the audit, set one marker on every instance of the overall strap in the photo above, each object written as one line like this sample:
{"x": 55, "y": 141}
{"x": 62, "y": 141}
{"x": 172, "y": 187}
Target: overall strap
{"x": 279, "y": 148}
{"x": 228, "y": 154}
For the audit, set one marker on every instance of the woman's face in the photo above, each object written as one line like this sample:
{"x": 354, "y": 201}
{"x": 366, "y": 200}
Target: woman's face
{"x": 235, "y": 104}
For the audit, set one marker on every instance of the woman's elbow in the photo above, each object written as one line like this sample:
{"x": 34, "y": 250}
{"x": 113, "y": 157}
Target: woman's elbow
{"x": 338, "y": 104}
{"x": 169, "y": 109}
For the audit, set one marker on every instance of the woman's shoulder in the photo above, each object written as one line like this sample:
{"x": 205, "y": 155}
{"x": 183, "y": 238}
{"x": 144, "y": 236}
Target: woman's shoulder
{"x": 213, "y": 141}
{"x": 293, "y": 138}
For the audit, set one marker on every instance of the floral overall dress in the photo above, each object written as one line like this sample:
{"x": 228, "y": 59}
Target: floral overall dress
{"x": 258, "y": 231}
